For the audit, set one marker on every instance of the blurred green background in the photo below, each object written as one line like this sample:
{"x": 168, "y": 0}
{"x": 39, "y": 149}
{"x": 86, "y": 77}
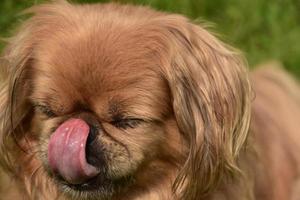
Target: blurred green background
{"x": 262, "y": 29}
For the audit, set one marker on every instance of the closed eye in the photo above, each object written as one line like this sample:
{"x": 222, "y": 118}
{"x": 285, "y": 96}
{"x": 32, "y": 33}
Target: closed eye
{"x": 46, "y": 110}
{"x": 125, "y": 123}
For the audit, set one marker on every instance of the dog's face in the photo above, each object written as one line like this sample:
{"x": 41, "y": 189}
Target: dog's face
{"x": 111, "y": 100}
{"x": 101, "y": 113}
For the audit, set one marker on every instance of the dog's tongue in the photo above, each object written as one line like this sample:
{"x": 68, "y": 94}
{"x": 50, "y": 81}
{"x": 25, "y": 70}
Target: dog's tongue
{"x": 66, "y": 152}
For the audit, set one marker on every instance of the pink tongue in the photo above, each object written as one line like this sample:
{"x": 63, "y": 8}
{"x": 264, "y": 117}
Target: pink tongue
{"x": 66, "y": 152}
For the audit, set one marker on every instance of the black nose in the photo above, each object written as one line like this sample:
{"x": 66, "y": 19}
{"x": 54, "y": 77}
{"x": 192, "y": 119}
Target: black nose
{"x": 94, "y": 150}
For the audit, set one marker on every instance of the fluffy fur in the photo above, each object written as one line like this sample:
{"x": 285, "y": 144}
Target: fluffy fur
{"x": 174, "y": 104}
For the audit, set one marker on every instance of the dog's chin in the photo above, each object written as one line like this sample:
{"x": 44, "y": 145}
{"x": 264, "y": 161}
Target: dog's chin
{"x": 100, "y": 187}
{"x": 104, "y": 185}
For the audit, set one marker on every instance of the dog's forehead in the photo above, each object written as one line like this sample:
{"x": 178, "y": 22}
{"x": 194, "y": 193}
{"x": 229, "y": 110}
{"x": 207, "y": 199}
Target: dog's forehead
{"x": 102, "y": 57}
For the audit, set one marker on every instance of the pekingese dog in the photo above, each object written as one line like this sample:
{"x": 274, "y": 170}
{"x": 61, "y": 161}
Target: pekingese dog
{"x": 119, "y": 102}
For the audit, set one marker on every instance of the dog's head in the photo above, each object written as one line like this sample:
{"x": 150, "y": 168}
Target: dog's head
{"x": 103, "y": 100}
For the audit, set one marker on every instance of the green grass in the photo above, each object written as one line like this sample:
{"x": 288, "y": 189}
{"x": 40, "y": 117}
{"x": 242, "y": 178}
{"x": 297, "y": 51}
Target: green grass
{"x": 262, "y": 29}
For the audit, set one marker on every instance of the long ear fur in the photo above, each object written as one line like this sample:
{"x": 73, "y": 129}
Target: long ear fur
{"x": 211, "y": 101}
{"x": 13, "y": 105}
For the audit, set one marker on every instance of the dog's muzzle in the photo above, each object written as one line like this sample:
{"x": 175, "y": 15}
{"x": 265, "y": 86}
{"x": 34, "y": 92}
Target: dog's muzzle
{"x": 67, "y": 152}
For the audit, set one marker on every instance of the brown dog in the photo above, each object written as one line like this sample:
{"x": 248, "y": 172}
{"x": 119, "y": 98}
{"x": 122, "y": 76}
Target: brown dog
{"x": 123, "y": 102}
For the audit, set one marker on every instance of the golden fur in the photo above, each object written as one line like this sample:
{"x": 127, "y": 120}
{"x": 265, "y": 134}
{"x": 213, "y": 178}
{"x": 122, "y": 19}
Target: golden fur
{"x": 191, "y": 92}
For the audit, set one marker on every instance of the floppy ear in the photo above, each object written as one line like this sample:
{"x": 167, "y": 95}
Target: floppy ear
{"x": 211, "y": 102}
{"x": 13, "y": 106}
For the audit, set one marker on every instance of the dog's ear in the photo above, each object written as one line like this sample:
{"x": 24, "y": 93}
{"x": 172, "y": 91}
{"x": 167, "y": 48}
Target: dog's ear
{"x": 14, "y": 108}
{"x": 211, "y": 101}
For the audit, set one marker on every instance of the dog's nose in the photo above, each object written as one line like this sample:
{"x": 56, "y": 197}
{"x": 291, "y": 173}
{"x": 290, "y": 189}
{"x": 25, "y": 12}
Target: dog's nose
{"x": 94, "y": 151}
{"x": 67, "y": 151}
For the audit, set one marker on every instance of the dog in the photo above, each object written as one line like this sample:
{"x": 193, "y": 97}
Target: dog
{"x": 119, "y": 102}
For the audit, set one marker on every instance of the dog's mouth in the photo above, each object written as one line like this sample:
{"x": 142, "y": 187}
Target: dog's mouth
{"x": 76, "y": 161}
{"x": 67, "y": 152}
{"x": 74, "y": 157}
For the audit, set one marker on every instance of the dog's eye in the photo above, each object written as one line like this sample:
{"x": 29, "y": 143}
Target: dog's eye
{"x": 45, "y": 110}
{"x": 126, "y": 123}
